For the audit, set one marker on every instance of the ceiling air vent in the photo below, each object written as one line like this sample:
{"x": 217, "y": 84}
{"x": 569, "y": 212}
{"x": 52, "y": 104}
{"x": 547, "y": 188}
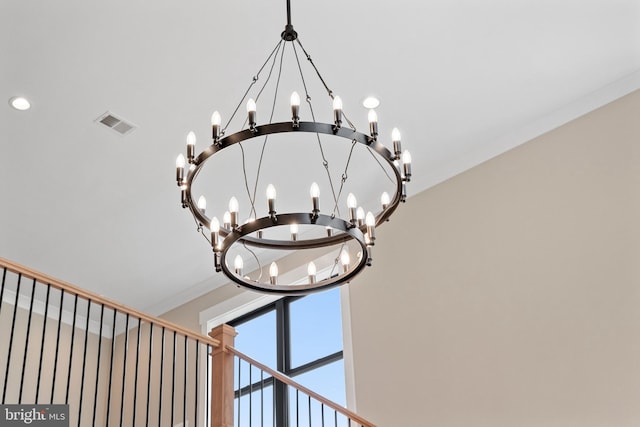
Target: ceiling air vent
{"x": 116, "y": 124}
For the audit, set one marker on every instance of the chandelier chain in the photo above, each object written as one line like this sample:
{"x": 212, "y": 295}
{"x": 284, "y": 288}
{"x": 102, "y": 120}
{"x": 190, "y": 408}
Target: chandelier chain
{"x": 336, "y": 208}
{"x": 273, "y": 54}
{"x": 345, "y": 174}
{"x": 200, "y": 230}
{"x": 244, "y": 243}
{"x": 336, "y": 260}
{"x": 253, "y": 82}
{"x": 329, "y": 91}
{"x": 331, "y": 95}
{"x": 380, "y": 164}
{"x": 252, "y": 197}
{"x": 266, "y": 138}
{"x": 325, "y": 162}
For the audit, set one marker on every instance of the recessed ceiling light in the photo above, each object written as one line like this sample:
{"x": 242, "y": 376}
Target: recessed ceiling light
{"x": 20, "y": 103}
{"x": 371, "y": 102}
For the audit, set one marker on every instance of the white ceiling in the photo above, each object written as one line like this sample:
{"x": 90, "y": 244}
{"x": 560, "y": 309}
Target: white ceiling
{"x": 463, "y": 80}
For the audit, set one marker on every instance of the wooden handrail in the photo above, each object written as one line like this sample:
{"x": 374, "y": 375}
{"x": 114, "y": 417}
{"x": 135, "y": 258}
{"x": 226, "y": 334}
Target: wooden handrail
{"x": 69, "y": 288}
{"x": 285, "y": 379}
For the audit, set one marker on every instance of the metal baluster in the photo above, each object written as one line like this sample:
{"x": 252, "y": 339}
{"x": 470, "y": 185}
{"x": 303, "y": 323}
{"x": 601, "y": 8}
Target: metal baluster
{"x": 149, "y": 371}
{"x": 261, "y": 398}
{"x": 4, "y": 278}
{"x": 197, "y": 391}
{"x": 161, "y": 376}
{"x": 95, "y": 400}
{"x": 250, "y": 394}
{"x": 135, "y": 379}
{"x": 55, "y": 360}
{"x": 207, "y": 398}
{"x": 26, "y": 343}
{"x": 113, "y": 348}
{"x": 84, "y": 361}
{"x": 184, "y": 386}
{"x": 239, "y": 388}
{"x": 73, "y": 332}
{"x": 124, "y": 368}
{"x": 44, "y": 329}
{"x": 309, "y": 411}
{"x": 322, "y": 413}
{"x": 297, "y": 408}
{"x": 13, "y": 325}
{"x": 173, "y": 378}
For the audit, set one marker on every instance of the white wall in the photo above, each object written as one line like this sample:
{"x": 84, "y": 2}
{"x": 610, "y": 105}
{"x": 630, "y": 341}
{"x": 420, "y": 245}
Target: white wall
{"x": 510, "y": 294}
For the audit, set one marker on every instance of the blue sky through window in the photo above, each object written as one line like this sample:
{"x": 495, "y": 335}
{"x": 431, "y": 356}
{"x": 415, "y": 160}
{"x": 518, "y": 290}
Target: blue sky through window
{"x": 315, "y": 332}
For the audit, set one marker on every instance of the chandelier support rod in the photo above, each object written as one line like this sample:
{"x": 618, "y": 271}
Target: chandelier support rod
{"x": 289, "y": 34}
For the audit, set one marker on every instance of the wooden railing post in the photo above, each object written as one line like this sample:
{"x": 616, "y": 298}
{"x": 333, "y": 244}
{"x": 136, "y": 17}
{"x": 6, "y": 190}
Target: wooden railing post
{"x": 222, "y": 390}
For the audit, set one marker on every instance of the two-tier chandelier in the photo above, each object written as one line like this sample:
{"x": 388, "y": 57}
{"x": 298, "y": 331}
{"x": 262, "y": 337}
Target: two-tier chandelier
{"x": 334, "y": 247}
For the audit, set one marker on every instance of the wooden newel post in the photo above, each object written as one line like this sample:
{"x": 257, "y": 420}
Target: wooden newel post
{"x": 222, "y": 391}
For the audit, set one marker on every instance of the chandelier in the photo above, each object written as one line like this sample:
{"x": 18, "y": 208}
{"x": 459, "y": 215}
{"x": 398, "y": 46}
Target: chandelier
{"x": 335, "y": 238}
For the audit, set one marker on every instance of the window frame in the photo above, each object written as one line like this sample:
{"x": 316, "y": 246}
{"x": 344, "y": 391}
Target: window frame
{"x": 283, "y": 355}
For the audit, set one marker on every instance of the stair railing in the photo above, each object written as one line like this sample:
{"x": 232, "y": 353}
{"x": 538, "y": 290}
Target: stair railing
{"x": 116, "y": 366}
{"x": 111, "y": 364}
{"x": 304, "y": 407}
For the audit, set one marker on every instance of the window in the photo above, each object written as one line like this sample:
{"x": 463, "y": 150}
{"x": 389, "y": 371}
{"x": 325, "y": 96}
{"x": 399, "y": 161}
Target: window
{"x": 300, "y": 337}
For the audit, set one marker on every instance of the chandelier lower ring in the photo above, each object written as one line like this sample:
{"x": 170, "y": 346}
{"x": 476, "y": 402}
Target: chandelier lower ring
{"x": 345, "y": 229}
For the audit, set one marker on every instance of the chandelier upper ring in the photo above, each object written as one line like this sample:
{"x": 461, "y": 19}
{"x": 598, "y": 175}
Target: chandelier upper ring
{"x": 347, "y": 134}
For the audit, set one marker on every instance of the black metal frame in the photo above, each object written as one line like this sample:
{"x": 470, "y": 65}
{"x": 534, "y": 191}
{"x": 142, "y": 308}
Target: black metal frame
{"x": 343, "y": 231}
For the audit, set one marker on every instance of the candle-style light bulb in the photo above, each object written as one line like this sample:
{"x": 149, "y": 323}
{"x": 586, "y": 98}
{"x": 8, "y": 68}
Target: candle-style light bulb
{"x": 251, "y": 112}
{"x": 191, "y": 146}
{"x": 370, "y": 220}
{"x": 397, "y": 146}
{"x": 202, "y": 204}
{"x": 295, "y": 108}
{"x": 373, "y": 123}
{"x": 294, "y": 231}
{"x": 233, "y": 209}
{"x": 214, "y": 226}
{"x": 271, "y": 200}
{"x": 251, "y": 105}
{"x": 216, "y": 121}
{"x": 351, "y": 204}
{"x": 406, "y": 162}
{"x": 314, "y": 191}
{"x": 345, "y": 260}
{"x": 384, "y": 200}
{"x": 180, "y": 162}
{"x": 360, "y": 216}
{"x": 337, "y": 111}
{"x": 238, "y": 264}
{"x": 273, "y": 273}
{"x": 226, "y": 220}
{"x": 311, "y": 271}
